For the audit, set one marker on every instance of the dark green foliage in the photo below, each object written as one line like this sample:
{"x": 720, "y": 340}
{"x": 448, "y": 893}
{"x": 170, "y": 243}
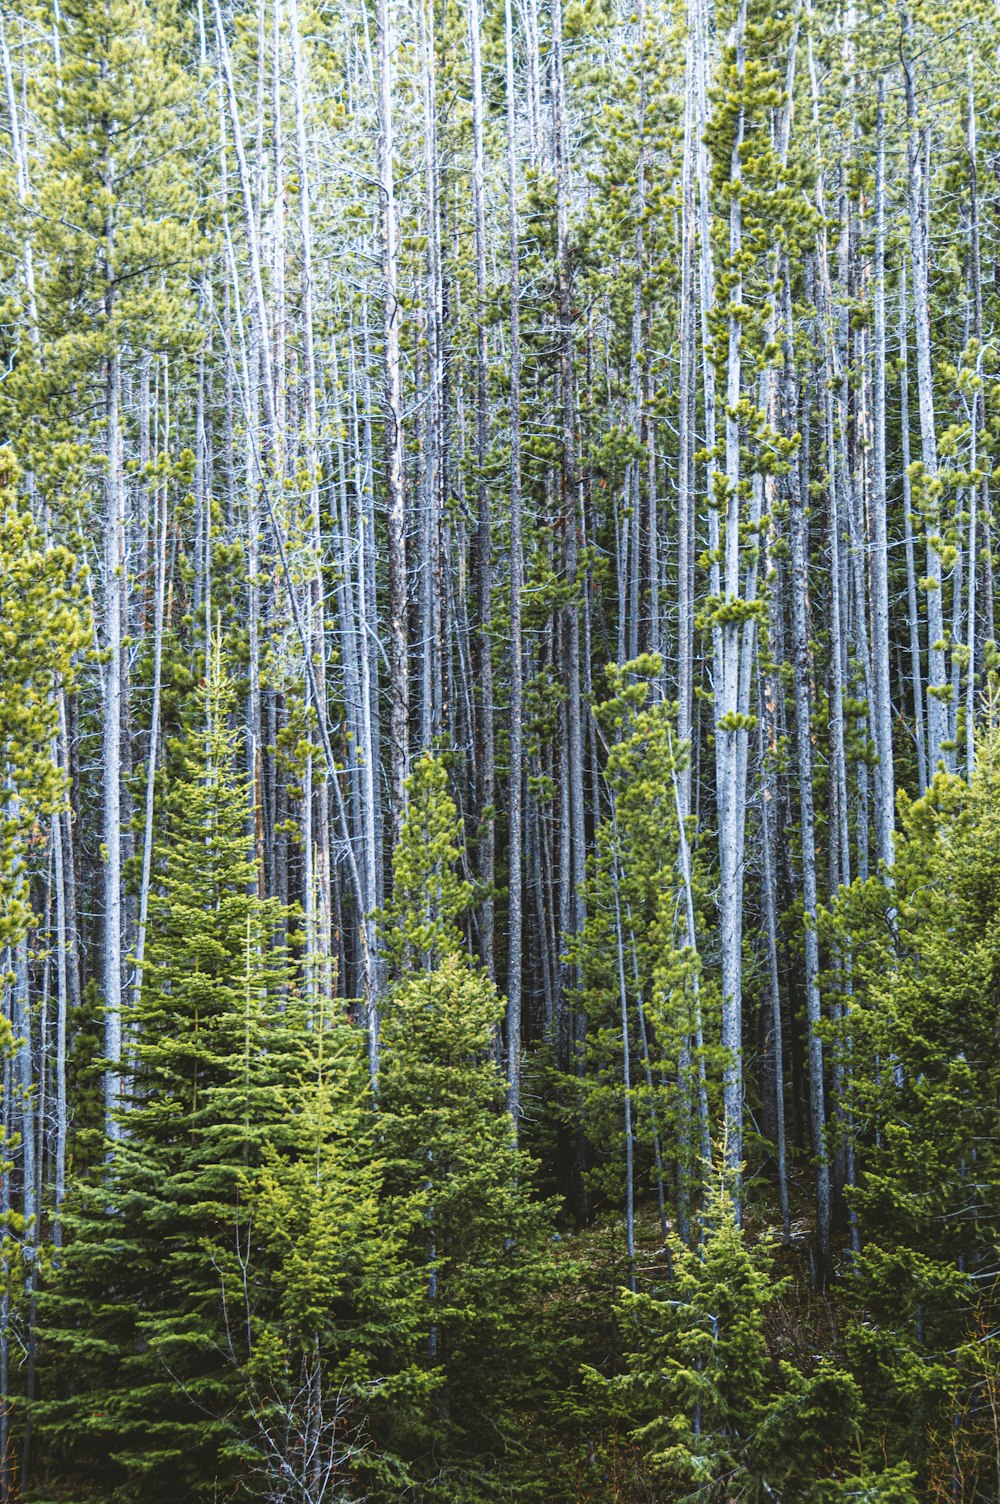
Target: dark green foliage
{"x": 139, "y": 1405}
{"x": 716, "y": 1412}
{"x": 456, "y": 1185}
{"x": 928, "y": 1203}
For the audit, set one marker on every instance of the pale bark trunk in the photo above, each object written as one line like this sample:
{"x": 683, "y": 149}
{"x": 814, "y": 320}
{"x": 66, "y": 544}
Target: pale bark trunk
{"x": 516, "y": 791}
{"x": 394, "y": 455}
{"x": 626, "y": 1064}
{"x": 160, "y": 571}
{"x": 486, "y": 756}
{"x": 318, "y": 896}
{"x": 885, "y": 792}
{"x": 574, "y": 772}
{"x": 114, "y": 583}
{"x": 913, "y": 619}
{"x": 62, "y": 1023}
{"x": 686, "y": 437}
{"x": 979, "y": 495}
{"x": 730, "y": 737}
{"x": 937, "y": 685}
{"x": 807, "y": 826}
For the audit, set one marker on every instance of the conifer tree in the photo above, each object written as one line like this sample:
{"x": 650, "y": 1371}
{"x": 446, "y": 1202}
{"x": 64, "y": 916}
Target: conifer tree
{"x": 134, "y": 1331}
{"x": 43, "y": 630}
{"x": 714, "y": 1415}
{"x": 642, "y": 995}
{"x": 321, "y": 1308}
{"x": 455, "y": 1180}
{"x": 928, "y": 973}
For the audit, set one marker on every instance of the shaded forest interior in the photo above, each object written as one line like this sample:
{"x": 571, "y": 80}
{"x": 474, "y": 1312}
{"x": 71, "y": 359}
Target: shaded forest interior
{"x": 500, "y": 840}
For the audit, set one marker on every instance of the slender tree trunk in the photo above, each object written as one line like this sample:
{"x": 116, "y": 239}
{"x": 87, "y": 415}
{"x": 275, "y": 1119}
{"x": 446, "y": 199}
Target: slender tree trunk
{"x": 574, "y": 774}
{"x": 159, "y": 593}
{"x": 979, "y": 494}
{"x": 729, "y": 736}
{"x": 807, "y": 827}
{"x": 885, "y": 790}
{"x": 62, "y": 1025}
{"x": 686, "y": 436}
{"x": 913, "y": 619}
{"x": 486, "y": 755}
{"x": 114, "y": 585}
{"x": 775, "y": 1044}
{"x": 318, "y": 897}
{"x": 394, "y": 453}
{"x": 937, "y": 686}
{"x": 626, "y": 1068}
{"x": 516, "y": 791}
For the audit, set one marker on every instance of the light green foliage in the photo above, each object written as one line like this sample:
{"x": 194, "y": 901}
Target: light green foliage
{"x": 635, "y": 888}
{"x": 112, "y": 217}
{"x": 457, "y": 1188}
{"x": 421, "y": 921}
{"x": 218, "y": 1049}
{"x": 716, "y": 1414}
{"x": 320, "y": 1306}
{"x": 43, "y": 628}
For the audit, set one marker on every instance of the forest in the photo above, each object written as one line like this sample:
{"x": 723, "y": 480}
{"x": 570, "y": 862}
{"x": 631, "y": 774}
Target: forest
{"x": 500, "y": 743}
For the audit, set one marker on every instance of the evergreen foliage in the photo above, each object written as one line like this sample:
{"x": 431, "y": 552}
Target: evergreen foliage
{"x": 133, "y": 1327}
{"x": 43, "y": 629}
{"x": 456, "y": 1183}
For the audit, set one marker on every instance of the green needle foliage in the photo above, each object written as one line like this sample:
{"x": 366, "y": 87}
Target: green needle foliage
{"x": 928, "y": 963}
{"x": 457, "y": 1184}
{"x": 217, "y": 1046}
{"x": 321, "y": 1307}
{"x": 43, "y": 628}
{"x": 715, "y": 1416}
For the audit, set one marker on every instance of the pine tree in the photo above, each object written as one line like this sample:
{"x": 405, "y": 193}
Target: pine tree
{"x": 645, "y": 1055}
{"x": 928, "y": 971}
{"x": 455, "y": 1180}
{"x": 43, "y": 630}
{"x": 714, "y": 1413}
{"x": 133, "y": 1326}
{"x": 320, "y": 1304}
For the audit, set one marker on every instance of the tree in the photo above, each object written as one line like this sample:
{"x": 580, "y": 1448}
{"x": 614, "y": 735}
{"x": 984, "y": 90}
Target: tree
{"x": 711, "y": 1409}
{"x": 320, "y": 1307}
{"x": 112, "y": 239}
{"x": 926, "y": 1197}
{"x": 43, "y": 630}
{"x": 134, "y": 1326}
{"x": 454, "y": 1179}
{"x": 644, "y": 1085}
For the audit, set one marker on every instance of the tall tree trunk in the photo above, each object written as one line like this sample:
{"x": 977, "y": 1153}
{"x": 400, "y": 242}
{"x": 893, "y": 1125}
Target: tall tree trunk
{"x": 114, "y": 586}
{"x": 885, "y": 784}
{"x": 912, "y": 616}
{"x": 807, "y": 827}
{"x": 917, "y": 142}
{"x": 686, "y": 435}
{"x": 730, "y": 736}
{"x": 318, "y": 896}
{"x": 486, "y": 753}
{"x": 569, "y": 501}
{"x": 394, "y": 455}
{"x": 515, "y": 805}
